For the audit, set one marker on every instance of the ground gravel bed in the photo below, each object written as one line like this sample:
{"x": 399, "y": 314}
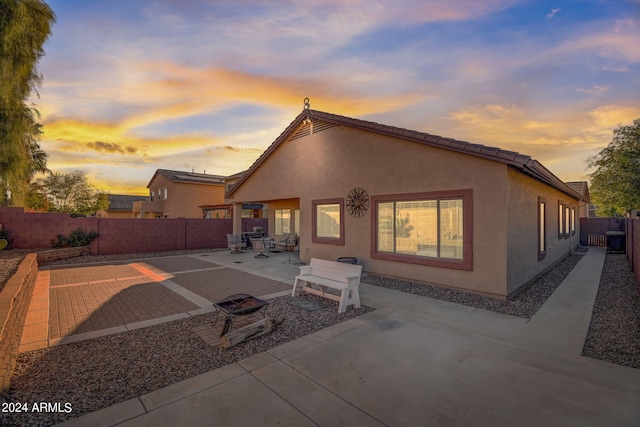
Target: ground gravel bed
{"x": 9, "y": 262}
{"x": 97, "y": 373}
{"x": 525, "y": 304}
{"x": 614, "y": 334}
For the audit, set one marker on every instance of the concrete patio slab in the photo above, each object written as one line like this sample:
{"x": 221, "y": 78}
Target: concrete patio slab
{"x": 413, "y": 361}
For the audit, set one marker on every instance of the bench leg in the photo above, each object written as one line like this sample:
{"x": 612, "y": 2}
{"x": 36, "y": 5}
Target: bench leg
{"x": 296, "y": 288}
{"x": 347, "y": 298}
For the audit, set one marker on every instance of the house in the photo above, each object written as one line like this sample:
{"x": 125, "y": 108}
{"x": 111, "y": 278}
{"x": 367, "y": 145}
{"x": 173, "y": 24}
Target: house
{"x": 582, "y": 188}
{"x": 120, "y": 206}
{"x": 174, "y": 194}
{"x": 412, "y": 205}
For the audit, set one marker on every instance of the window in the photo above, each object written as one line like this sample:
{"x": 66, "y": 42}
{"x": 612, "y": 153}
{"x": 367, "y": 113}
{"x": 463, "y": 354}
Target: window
{"x": 328, "y": 221}
{"x": 424, "y": 228}
{"x": 560, "y": 220}
{"x": 542, "y": 228}
{"x": 567, "y": 220}
{"x": 573, "y": 220}
{"x": 165, "y": 192}
{"x": 296, "y": 221}
{"x": 283, "y": 220}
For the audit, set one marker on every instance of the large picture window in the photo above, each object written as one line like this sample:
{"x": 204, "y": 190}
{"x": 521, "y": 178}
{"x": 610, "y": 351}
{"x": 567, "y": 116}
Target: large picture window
{"x": 424, "y": 228}
{"x": 328, "y": 221}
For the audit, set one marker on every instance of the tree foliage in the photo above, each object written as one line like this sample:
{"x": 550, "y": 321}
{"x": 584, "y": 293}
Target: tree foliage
{"x": 25, "y": 25}
{"x": 615, "y": 185}
{"x": 72, "y": 193}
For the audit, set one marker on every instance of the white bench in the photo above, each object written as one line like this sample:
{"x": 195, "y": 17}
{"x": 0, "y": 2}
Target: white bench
{"x": 324, "y": 274}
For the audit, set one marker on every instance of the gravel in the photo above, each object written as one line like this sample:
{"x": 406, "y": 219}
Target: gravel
{"x": 9, "y": 262}
{"x": 524, "y": 304}
{"x": 97, "y": 373}
{"x": 614, "y": 335}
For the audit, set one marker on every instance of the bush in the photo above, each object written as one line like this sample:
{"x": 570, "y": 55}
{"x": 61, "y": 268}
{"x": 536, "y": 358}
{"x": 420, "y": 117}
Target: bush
{"x": 76, "y": 238}
{"x": 4, "y": 235}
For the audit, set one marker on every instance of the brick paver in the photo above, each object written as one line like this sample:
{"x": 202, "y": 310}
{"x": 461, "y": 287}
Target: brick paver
{"x": 66, "y": 276}
{"x": 108, "y": 298}
{"x": 90, "y": 307}
{"x": 176, "y": 264}
{"x": 216, "y": 284}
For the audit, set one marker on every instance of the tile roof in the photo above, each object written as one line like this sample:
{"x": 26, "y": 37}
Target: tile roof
{"x": 521, "y": 162}
{"x": 580, "y": 187}
{"x": 123, "y": 202}
{"x": 190, "y": 177}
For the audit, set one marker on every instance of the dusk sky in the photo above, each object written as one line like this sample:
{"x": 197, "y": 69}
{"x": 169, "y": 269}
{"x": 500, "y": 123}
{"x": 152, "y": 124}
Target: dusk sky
{"x": 138, "y": 85}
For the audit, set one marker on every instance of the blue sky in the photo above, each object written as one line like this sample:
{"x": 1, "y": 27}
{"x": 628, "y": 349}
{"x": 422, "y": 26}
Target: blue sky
{"x": 133, "y": 86}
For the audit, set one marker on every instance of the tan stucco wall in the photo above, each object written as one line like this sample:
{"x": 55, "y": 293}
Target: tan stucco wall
{"x": 183, "y": 199}
{"x": 330, "y": 163}
{"x": 523, "y": 264}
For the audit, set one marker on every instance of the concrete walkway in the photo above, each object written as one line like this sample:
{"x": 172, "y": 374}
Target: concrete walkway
{"x": 413, "y": 361}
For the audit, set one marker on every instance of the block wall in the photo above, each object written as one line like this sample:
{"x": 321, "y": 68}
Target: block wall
{"x": 14, "y": 304}
{"x": 118, "y": 235}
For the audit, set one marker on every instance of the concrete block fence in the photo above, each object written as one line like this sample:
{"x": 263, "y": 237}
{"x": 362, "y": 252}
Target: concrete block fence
{"x": 121, "y": 235}
{"x": 14, "y": 304}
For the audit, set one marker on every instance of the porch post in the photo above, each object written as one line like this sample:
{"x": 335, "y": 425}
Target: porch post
{"x": 237, "y": 218}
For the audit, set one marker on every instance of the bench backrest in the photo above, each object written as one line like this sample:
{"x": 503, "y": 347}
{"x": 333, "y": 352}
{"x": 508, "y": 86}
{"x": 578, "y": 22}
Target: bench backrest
{"x": 333, "y": 270}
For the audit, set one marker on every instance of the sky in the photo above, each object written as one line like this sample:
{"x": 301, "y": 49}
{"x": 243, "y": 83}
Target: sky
{"x": 207, "y": 85}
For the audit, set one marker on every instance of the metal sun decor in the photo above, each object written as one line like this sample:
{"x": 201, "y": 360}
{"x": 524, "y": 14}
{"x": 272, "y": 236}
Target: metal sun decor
{"x": 357, "y": 202}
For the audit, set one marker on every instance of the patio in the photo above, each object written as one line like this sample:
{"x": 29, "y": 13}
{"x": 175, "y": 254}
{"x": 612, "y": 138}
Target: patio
{"x": 77, "y": 302}
{"x": 413, "y": 360}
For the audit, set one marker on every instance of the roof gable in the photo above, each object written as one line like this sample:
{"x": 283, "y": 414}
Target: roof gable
{"x": 300, "y": 128}
{"x": 188, "y": 177}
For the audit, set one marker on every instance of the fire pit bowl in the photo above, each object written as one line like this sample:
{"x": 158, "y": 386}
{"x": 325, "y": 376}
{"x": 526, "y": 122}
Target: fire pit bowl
{"x": 238, "y": 305}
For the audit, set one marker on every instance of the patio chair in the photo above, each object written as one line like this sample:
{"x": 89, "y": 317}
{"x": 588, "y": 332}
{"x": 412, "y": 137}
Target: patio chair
{"x": 288, "y": 243}
{"x": 235, "y": 243}
{"x": 259, "y": 247}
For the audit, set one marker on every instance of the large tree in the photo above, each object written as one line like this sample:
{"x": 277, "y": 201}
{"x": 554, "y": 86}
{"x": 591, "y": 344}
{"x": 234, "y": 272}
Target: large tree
{"x": 72, "y": 193}
{"x": 615, "y": 184}
{"x": 25, "y": 25}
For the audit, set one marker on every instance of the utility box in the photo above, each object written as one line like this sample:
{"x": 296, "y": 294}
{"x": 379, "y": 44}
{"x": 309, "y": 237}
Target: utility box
{"x": 616, "y": 242}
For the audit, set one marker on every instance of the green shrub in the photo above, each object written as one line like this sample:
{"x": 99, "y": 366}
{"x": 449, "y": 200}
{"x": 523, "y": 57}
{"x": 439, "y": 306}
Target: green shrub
{"x": 76, "y": 238}
{"x": 4, "y": 235}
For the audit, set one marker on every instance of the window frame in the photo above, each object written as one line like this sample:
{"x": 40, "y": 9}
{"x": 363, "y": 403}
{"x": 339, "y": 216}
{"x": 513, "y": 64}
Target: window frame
{"x": 561, "y": 231}
{"x": 314, "y": 222}
{"x": 542, "y": 228}
{"x": 466, "y": 263}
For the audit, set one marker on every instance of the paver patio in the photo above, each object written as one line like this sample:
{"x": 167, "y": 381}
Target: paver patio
{"x": 78, "y": 302}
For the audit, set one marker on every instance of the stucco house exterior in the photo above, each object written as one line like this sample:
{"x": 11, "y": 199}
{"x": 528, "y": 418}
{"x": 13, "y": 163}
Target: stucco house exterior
{"x": 412, "y": 205}
{"x": 120, "y": 206}
{"x": 175, "y": 194}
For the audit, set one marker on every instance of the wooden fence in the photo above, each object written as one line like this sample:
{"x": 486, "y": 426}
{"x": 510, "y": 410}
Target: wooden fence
{"x": 592, "y": 233}
{"x": 592, "y": 230}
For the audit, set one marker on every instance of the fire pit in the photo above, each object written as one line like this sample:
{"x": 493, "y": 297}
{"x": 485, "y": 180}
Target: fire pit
{"x": 238, "y": 305}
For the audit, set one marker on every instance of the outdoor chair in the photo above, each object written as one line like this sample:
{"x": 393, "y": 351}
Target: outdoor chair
{"x": 259, "y": 248}
{"x": 288, "y": 243}
{"x": 235, "y": 243}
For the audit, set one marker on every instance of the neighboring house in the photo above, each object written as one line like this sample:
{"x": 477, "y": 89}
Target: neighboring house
{"x": 174, "y": 194}
{"x": 633, "y": 214}
{"x": 120, "y": 206}
{"x": 412, "y": 205}
{"x": 582, "y": 188}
